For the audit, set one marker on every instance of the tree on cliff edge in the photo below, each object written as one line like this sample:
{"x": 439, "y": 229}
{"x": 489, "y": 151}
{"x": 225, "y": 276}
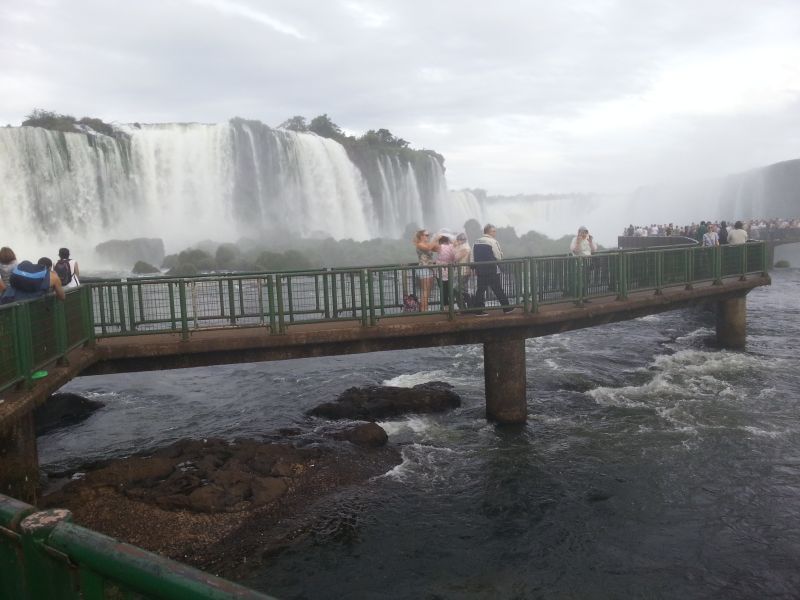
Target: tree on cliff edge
{"x": 323, "y": 126}
{"x": 296, "y": 123}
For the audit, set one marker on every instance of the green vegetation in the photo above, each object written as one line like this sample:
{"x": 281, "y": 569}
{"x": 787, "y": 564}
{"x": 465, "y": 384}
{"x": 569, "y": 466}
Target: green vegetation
{"x": 380, "y": 139}
{"x": 53, "y": 121}
{"x": 782, "y": 264}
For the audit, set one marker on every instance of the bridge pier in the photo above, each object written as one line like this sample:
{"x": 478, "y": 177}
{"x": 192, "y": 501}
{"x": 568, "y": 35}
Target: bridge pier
{"x": 504, "y": 374}
{"x": 732, "y": 322}
{"x": 19, "y": 460}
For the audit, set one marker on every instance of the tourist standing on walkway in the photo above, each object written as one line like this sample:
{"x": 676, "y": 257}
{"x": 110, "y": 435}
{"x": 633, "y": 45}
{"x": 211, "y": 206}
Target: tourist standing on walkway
{"x": 8, "y": 260}
{"x": 446, "y": 256}
{"x": 583, "y": 244}
{"x": 67, "y": 269}
{"x": 738, "y": 235}
{"x": 487, "y": 249}
{"x": 710, "y": 237}
{"x": 462, "y": 255}
{"x": 425, "y": 249}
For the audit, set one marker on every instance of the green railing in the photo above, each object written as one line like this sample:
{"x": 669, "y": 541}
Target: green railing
{"x": 278, "y": 300}
{"x": 37, "y": 333}
{"x": 44, "y": 556}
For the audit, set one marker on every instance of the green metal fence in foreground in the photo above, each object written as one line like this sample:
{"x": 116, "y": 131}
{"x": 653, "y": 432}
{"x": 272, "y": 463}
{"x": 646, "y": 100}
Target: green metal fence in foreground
{"x": 44, "y": 556}
{"x": 37, "y": 333}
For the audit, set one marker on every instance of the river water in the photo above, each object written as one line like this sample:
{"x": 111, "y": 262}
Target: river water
{"x": 653, "y": 465}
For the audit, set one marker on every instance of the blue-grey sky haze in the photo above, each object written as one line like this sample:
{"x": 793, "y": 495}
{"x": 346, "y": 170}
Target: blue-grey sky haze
{"x": 520, "y": 97}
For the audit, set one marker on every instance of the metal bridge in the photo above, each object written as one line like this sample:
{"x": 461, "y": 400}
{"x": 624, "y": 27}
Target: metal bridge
{"x": 142, "y": 324}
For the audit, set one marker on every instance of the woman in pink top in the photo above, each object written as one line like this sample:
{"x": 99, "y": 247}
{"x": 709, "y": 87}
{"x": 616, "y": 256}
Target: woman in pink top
{"x": 447, "y": 256}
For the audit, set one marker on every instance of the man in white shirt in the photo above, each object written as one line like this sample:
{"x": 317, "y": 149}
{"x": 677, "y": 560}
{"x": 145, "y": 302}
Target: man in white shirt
{"x": 738, "y": 235}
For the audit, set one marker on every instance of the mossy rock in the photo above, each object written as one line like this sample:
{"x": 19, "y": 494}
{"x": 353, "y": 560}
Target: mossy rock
{"x": 782, "y": 264}
{"x": 142, "y": 268}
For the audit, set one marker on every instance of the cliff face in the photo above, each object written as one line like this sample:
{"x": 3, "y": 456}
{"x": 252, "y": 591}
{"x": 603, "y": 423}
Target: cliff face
{"x": 187, "y": 182}
{"x": 771, "y": 191}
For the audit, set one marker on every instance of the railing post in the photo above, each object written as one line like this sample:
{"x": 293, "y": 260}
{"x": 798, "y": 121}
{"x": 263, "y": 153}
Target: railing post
{"x": 362, "y": 288}
{"x": 271, "y": 303}
{"x": 659, "y": 272}
{"x": 451, "y": 296}
{"x": 121, "y": 304}
{"x": 325, "y": 292}
{"x": 717, "y": 262}
{"x": 232, "y": 302}
{"x": 622, "y": 275}
{"x": 370, "y": 293}
{"x": 48, "y": 574}
{"x": 87, "y": 313}
{"x": 577, "y": 280}
{"x": 184, "y": 309}
{"x": 60, "y": 328}
{"x": 131, "y": 307}
{"x": 24, "y": 341}
{"x": 689, "y": 267}
{"x": 279, "y": 296}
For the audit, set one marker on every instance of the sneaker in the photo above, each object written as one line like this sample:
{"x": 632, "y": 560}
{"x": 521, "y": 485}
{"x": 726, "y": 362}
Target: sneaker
{"x": 483, "y": 313}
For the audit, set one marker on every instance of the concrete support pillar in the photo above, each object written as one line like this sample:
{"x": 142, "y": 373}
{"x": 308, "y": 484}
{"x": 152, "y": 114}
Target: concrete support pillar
{"x": 19, "y": 460}
{"x": 732, "y": 323}
{"x": 504, "y": 373}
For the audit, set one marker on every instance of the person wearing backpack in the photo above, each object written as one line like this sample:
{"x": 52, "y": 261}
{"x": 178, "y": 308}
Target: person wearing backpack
{"x": 67, "y": 269}
{"x": 30, "y": 281}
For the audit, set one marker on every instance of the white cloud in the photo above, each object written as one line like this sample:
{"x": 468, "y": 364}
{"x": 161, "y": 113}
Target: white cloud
{"x": 241, "y": 10}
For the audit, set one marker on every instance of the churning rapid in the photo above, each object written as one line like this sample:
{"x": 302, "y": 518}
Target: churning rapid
{"x": 188, "y": 182}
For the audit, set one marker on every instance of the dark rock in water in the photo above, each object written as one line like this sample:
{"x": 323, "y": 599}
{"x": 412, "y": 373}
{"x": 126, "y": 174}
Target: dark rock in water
{"x": 123, "y": 253}
{"x": 379, "y": 402}
{"x": 368, "y": 435}
{"x": 143, "y": 268}
{"x": 215, "y": 504}
{"x": 63, "y": 409}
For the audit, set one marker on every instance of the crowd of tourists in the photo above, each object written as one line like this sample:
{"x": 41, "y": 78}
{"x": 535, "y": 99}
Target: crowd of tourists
{"x": 23, "y": 280}
{"x": 754, "y": 229}
{"x": 449, "y": 248}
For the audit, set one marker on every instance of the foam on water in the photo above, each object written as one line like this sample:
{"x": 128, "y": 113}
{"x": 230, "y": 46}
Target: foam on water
{"x": 408, "y": 380}
{"x": 425, "y": 465}
{"x": 687, "y": 374}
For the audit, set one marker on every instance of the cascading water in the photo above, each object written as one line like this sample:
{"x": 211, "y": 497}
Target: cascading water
{"x": 189, "y": 182}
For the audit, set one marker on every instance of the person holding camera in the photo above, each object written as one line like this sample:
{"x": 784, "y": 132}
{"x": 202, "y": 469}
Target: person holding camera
{"x": 583, "y": 244}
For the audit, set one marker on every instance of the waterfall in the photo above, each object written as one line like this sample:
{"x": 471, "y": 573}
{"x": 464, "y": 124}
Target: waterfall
{"x": 188, "y": 182}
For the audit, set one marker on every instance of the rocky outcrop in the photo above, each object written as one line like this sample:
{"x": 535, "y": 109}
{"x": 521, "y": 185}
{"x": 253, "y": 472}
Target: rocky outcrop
{"x": 208, "y": 475}
{"x": 380, "y": 402}
{"x": 220, "y": 505}
{"x": 63, "y": 409}
{"x": 123, "y": 253}
{"x": 144, "y": 268}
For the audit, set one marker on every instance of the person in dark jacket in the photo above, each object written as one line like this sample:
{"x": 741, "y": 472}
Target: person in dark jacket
{"x": 487, "y": 249}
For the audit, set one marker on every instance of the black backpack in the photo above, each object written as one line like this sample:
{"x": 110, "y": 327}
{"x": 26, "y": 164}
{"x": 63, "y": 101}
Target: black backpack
{"x": 63, "y": 270}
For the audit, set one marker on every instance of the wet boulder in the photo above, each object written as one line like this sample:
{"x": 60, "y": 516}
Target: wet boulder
{"x": 372, "y": 403}
{"x": 366, "y": 435}
{"x": 63, "y": 409}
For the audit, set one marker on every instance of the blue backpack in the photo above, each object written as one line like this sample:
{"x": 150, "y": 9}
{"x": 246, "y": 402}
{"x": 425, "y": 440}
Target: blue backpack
{"x": 28, "y": 277}
{"x": 27, "y": 281}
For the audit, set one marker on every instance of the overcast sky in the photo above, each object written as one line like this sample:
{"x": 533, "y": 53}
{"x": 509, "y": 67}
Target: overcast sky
{"x": 520, "y": 97}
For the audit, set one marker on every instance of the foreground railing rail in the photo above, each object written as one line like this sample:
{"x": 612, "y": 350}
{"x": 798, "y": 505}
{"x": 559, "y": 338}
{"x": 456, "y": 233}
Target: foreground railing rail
{"x": 43, "y": 556}
{"x": 36, "y": 333}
